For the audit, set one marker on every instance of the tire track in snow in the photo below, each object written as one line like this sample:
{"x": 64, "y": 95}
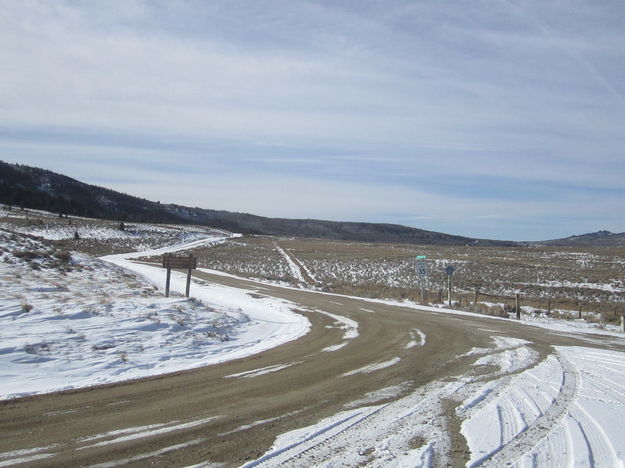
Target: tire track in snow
{"x": 315, "y": 440}
{"x": 365, "y": 428}
{"x": 541, "y": 426}
{"x": 297, "y": 269}
{"x": 601, "y": 452}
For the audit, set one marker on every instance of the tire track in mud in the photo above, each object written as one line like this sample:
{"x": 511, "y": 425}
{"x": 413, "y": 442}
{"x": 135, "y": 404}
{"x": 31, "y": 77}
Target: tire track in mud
{"x": 542, "y": 425}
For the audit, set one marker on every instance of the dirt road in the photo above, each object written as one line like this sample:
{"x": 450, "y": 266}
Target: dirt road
{"x": 231, "y": 413}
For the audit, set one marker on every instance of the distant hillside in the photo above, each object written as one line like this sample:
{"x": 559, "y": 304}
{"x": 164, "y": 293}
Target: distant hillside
{"x": 36, "y": 188}
{"x": 599, "y": 239}
{"x": 41, "y": 189}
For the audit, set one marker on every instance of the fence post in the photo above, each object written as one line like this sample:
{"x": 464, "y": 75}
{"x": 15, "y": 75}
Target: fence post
{"x": 476, "y": 294}
{"x": 167, "y": 281}
{"x": 188, "y": 290}
{"x": 518, "y": 307}
{"x": 549, "y": 306}
{"x": 623, "y": 323}
{"x": 579, "y": 313}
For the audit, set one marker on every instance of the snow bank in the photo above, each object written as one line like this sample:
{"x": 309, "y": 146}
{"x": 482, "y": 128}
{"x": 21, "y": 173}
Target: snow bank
{"x": 566, "y": 411}
{"x": 74, "y": 322}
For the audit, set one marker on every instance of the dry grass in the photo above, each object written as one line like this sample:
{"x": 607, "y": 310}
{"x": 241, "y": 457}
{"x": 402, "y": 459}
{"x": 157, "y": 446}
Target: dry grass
{"x": 563, "y": 275}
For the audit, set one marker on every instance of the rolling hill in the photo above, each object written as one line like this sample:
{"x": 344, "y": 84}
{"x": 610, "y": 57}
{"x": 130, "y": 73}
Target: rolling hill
{"x": 598, "y": 239}
{"x": 37, "y": 188}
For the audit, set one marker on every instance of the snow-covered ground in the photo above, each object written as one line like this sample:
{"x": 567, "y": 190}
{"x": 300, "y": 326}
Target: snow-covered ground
{"x": 566, "y": 411}
{"x": 69, "y": 320}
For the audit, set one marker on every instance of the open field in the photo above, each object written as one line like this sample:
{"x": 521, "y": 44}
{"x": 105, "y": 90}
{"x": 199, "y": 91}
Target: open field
{"x": 95, "y": 236}
{"x": 550, "y": 280}
{"x": 566, "y": 276}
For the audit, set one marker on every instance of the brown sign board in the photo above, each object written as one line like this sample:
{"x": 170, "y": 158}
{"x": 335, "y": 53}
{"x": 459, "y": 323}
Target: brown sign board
{"x": 179, "y": 263}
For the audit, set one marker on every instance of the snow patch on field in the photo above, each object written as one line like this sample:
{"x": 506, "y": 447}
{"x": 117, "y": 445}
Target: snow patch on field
{"x": 295, "y": 270}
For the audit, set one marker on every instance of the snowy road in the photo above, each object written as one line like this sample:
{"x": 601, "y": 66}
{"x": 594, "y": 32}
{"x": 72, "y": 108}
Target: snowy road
{"x": 370, "y": 383}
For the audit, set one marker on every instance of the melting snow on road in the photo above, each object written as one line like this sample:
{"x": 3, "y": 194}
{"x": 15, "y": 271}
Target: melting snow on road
{"x": 566, "y": 410}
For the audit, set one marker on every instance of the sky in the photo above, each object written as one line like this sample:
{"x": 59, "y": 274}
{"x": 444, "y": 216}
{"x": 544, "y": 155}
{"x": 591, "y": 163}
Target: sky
{"x": 500, "y": 119}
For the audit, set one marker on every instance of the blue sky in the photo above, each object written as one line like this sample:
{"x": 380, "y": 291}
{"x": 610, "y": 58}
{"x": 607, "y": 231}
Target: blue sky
{"x": 496, "y": 119}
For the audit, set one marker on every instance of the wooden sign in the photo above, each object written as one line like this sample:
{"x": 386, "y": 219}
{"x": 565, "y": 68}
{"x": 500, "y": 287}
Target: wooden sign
{"x": 180, "y": 263}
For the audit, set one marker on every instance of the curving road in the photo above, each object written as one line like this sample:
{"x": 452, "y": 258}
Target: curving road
{"x": 232, "y": 413}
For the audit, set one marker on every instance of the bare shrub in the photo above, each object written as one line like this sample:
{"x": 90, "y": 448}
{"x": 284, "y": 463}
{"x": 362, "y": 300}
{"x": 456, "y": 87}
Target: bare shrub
{"x": 28, "y": 254}
{"x": 180, "y": 320}
{"x": 63, "y": 256}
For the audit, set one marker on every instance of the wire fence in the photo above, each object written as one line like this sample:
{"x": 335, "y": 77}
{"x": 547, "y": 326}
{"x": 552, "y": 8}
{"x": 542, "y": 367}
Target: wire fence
{"x": 558, "y": 307}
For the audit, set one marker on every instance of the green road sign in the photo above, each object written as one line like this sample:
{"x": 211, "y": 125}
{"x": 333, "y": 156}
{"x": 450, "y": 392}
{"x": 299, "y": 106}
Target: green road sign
{"x": 421, "y": 257}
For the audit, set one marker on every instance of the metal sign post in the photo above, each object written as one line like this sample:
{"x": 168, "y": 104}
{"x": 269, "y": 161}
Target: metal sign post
{"x": 421, "y": 269}
{"x": 450, "y": 272}
{"x": 179, "y": 263}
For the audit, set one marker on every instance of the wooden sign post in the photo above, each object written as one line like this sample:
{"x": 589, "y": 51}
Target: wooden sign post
{"x": 179, "y": 263}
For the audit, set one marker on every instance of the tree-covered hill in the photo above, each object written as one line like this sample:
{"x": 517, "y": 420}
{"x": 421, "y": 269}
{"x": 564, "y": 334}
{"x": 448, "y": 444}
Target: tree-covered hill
{"x": 30, "y": 187}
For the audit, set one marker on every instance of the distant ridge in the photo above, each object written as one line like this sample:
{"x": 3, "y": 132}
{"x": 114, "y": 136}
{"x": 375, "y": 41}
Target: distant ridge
{"x": 599, "y": 239}
{"x": 31, "y": 187}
